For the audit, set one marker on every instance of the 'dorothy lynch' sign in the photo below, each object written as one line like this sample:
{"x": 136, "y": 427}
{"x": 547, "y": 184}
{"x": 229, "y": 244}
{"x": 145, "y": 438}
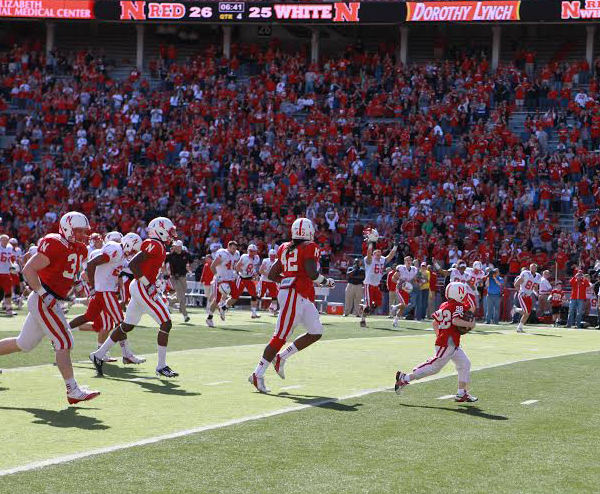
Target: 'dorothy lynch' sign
{"x": 486, "y": 11}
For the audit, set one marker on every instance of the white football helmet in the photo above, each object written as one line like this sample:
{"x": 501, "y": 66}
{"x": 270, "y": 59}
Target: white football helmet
{"x": 253, "y": 247}
{"x": 477, "y": 265}
{"x": 113, "y": 237}
{"x": 303, "y": 229}
{"x": 163, "y": 229}
{"x": 407, "y": 287}
{"x": 272, "y": 252}
{"x": 456, "y": 291}
{"x": 131, "y": 243}
{"x": 75, "y": 227}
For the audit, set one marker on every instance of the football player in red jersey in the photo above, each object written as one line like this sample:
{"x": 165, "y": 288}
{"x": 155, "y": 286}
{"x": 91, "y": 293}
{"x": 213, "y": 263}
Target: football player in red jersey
{"x": 50, "y": 273}
{"x": 446, "y": 321}
{"x": 296, "y": 270}
{"x": 146, "y": 265}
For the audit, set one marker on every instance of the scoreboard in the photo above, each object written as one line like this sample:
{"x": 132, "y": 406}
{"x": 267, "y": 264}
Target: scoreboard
{"x": 240, "y": 12}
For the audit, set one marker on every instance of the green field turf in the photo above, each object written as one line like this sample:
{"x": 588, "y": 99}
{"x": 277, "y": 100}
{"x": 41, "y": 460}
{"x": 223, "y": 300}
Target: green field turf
{"x": 372, "y": 441}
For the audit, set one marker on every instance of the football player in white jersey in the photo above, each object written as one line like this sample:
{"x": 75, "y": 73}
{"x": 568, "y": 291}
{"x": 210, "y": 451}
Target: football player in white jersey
{"x": 528, "y": 283}
{"x": 246, "y": 269}
{"x": 403, "y": 277}
{"x": 266, "y": 287}
{"x": 6, "y": 284}
{"x": 224, "y": 282}
{"x": 104, "y": 311}
{"x": 374, "y": 269}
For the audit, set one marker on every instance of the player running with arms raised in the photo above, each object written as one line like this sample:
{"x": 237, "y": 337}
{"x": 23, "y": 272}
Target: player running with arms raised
{"x": 145, "y": 299}
{"x": 527, "y": 283}
{"x": 296, "y": 270}
{"x": 450, "y": 321}
{"x": 50, "y": 273}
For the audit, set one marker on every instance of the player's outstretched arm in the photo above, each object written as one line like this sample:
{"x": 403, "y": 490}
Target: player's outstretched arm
{"x": 369, "y": 256}
{"x": 390, "y": 257}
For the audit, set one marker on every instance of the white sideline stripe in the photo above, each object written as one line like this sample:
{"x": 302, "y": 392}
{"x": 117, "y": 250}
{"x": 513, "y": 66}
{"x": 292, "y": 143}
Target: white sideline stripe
{"x": 529, "y": 402}
{"x": 216, "y": 383}
{"x": 294, "y": 386}
{"x": 151, "y": 440}
{"x": 445, "y": 397}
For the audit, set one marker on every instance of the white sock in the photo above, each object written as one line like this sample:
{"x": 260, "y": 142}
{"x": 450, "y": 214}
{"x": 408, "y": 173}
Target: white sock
{"x": 288, "y": 352}
{"x": 162, "y": 356}
{"x": 406, "y": 378}
{"x": 253, "y": 310}
{"x": 262, "y": 367}
{"x": 71, "y": 384}
{"x": 461, "y": 391}
{"x": 125, "y": 350}
{"x": 106, "y": 346}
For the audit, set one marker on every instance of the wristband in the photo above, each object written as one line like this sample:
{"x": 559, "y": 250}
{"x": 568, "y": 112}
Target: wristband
{"x": 144, "y": 281}
{"x": 320, "y": 279}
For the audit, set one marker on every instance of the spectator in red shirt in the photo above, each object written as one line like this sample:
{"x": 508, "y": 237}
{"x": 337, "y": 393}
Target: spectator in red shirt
{"x": 579, "y": 286}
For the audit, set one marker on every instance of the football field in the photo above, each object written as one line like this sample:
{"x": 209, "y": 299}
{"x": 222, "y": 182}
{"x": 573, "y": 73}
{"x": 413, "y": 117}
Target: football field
{"x": 332, "y": 426}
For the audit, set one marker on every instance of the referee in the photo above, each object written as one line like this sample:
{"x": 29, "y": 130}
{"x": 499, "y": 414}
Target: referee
{"x": 178, "y": 260}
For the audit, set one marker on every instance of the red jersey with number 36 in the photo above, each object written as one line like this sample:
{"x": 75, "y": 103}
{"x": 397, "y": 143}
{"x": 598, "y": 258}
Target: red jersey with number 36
{"x": 155, "y": 258}
{"x": 66, "y": 259}
{"x": 294, "y": 273}
{"x": 445, "y": 316}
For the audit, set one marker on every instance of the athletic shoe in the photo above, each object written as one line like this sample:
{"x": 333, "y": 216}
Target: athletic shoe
{"x": 363, "y": 323}
{"x": 186, "y": 319}
{"x": 395, "y": 323}
{"x": 222, "y": 312}
{"x": 258, "y": 383}
{"x": 278, "y": 365}
{"x": 166, "y": 371}
{"x": 520, "y": 330}
{"x": 81, "y": 394}
{"x": 210, "y": 323}
{"x": 97, "y": 364}
{"x": 255, "y": 315}
{"x": 132, "y": 359}
{"x": 108, "y": 358}
{"x": 400, "y": 382}
{"x": 466, "y": 398}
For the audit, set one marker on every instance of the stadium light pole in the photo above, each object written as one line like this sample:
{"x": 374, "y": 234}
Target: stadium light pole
{"x": 496, "y": 37}
{"x": 227, "y": 42}
{"x": 403, "y": 44}
{"x": 589, "y": 44}
{"x": 50, "y": 31}
{"x": 140, "y": 47}
{"x": 314, "y": 46}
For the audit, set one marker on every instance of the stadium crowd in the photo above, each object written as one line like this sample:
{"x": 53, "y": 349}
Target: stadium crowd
{"x": 236, "y": 149}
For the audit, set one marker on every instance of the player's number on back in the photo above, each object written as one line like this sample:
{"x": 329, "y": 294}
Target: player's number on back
{"x": 289, "y": 260}
{"x": 72, "y": 270}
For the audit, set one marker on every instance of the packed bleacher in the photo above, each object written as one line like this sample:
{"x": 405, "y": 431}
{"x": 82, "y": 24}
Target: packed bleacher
{"x": 237, "y": 148}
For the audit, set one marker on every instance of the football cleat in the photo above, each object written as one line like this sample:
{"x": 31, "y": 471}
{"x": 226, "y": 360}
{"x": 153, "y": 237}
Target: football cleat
{"x": 400, "y": 382}
{"x": 520, "y": 330}
{"x": 210, "y": 323}
{"x": 466, "y": 398}
{"x": 97, "y": 364}
{"x": 81, "y": 394}
{"x": 108, "y": 358}
{"x": 132, "y": 359}
{"x": 363, "y": 323}
{"x": 258, "y": 383}
{"x": 255, "y": 315}
{"x": 222, "y": 312}
{"x": 278, "y": 365}
{"x": 395, "y": 322}
{"x": 166, "y": 371}
{"x": 186, "y": 319}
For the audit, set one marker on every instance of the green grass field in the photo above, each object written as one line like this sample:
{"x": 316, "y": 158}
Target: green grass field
{"x": 332, "y": 426}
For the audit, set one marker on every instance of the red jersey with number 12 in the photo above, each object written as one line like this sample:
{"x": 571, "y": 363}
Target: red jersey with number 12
{"x": 66, "y": 259}
{"x": 155, "y": 258}
{"x": 294, "y": 273}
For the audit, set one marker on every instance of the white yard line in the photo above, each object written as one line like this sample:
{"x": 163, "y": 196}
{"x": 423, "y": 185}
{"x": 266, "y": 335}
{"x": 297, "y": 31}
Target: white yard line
{"x": 293, "y": 386}
{"x": 151, "y": 440}
{"x": 529, "y": 402}
{"x": 446, "y": 397}
{"x": 217, "y": 383}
